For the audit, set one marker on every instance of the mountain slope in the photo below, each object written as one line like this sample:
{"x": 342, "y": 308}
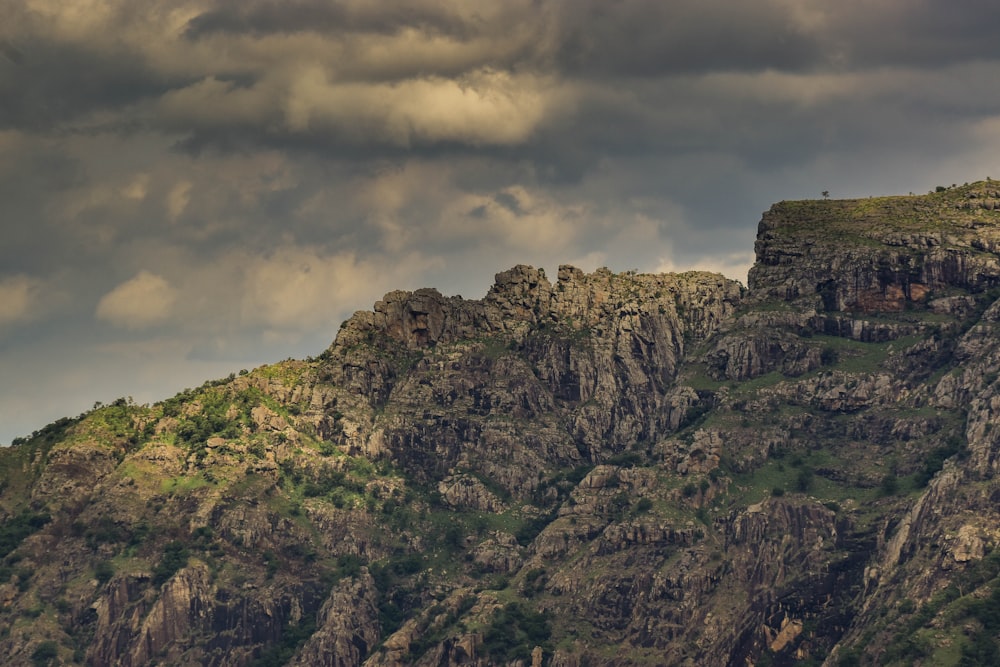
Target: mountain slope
{"x": 610, "y": 469}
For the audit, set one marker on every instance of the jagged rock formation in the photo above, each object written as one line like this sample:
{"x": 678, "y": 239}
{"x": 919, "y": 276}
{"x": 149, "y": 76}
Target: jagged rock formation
{"x": 610, "y": 469}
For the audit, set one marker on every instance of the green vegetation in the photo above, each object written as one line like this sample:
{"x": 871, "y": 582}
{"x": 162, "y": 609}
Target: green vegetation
{"x": 789, "y": 442}
{"x": 398, "y": 599}
{"x": 531, "y": 527}
{"x": 642, "y": 506}
{"x": 804, "y": 479}
{"x": 45, "y": 653}
{"x": 857, "y": 220}
{"x": 514, "y": 631}
{"x": 175, "y": 556}
{"x": 292, "y": 637}
{"x": 121, "y": 424}
{"x": 955, "y": 606}
{"x": 983, "y": 649}
{"x": 48, "y": 435}
{"x": 103, "y": 571}
{"x": 851, "y": 356}
{"x": 433, "y": 634}
{"x": 16, "y": 529}
{"x": 195, "y": 429}
{"x": 889, "y": 486}
{"x": 183, "y": 484}
{"x": 625, "y": 459}
{"x": 935, "y": 459}
{"x": 21, "y": 464}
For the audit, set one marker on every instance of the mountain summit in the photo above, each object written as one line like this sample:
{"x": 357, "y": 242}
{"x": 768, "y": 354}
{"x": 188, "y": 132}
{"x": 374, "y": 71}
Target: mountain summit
{"x": 608, "y": 469}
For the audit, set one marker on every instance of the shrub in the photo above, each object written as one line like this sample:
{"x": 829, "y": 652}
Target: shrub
{"x": 19, "y": 527}
{"x": 849, "y": 658}
{"x": 804, "y": 479}
{"x": 619, "y": 505}
{"x": 534, "y": 582}
{"x": 175, "y": 556}
{"x": 642, "y": 506}
{"x": 625, "y": 459}
{"x": 514, "y": 631}
{"x": 934, "y": 460}
{"x": 272, "y": 563}
{"x": 576, "y": 475}
{"x": 103, "y": 571}
{"x": 292, "y": 637}
{"x": 45, "y": 653}
{"x": 454, "y": 537}
{"x": 530, "y": 529}
{"x": 889, "y": 485}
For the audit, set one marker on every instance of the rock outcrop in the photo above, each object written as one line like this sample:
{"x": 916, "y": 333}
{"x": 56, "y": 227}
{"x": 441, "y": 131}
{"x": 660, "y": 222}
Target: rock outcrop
{"x": 608, "y": 469}
{"x": 877, "y": 254}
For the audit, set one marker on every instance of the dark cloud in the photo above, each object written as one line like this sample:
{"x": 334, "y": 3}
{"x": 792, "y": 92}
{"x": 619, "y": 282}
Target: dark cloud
{"x": 59, "y": 84}
{"x": 12, "y": 52}
{"x": 925, "y": 33}
{"x": 330, "y": 18}
{"x": 193, "y": 187}
{"x": 649, "y": 38}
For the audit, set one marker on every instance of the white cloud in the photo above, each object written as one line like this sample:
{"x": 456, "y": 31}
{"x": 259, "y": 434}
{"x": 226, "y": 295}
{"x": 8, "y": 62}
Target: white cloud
{"x": 485, "y": 107}
{"x": 18, "y": 299}
{"x": 178, "y": 199}
{"x": 137, "y": 188}
{"x": 734, "y": 265}
{"x": 138, "y": 303}
{"x": 301, "y": 289}
{"x": 515, "y": 217}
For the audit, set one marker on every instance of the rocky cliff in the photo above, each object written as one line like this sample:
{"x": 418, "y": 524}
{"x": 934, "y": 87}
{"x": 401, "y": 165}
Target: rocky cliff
{"x": 608, "y": 469}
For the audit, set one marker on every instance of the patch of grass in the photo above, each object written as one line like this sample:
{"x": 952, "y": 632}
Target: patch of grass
{"x": 697, "y": 377}
{"x": 797, "y": 475}
{"x": 957, "y": 605}
{"x": 852, "y": 356}
{"x": 182, "y": 484}
{"x": 752, "y": 386}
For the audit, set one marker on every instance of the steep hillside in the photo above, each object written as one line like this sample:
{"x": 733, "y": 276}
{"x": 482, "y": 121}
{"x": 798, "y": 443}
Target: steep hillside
{"x": 612, "y": 469}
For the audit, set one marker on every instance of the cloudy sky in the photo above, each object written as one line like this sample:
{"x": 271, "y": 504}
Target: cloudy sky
{"x": 192, "y": 187}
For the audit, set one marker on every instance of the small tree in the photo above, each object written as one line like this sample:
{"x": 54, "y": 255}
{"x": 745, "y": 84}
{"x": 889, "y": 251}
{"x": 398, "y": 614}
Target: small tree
{"x": 826, "y": 194}
{"x": 889, "y": 484}
{"x": 45, "y": 653}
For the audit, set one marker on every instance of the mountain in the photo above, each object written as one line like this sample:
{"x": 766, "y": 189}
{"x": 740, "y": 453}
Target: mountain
{"x": 608, "y": 469}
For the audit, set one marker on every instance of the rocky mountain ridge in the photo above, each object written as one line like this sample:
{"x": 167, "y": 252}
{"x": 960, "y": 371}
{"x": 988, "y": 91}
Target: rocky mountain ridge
{"x": 611, "y": 469}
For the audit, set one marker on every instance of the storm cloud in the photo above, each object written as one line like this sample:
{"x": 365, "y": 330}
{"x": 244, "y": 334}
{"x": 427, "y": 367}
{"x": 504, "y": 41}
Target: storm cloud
{"x": 190, "y": 187}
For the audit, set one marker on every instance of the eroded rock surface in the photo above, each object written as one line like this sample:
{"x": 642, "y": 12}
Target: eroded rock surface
{"x": 608, "y": 469}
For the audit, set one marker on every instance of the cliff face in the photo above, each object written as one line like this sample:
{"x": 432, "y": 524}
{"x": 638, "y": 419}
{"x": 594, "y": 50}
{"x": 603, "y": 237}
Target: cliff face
{"x": 582, "y": 370}
{"x": 879, "y": 254}
{"x": 608, "y": 469}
